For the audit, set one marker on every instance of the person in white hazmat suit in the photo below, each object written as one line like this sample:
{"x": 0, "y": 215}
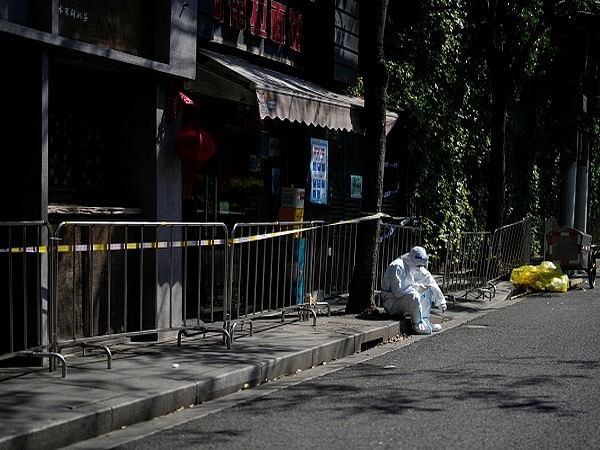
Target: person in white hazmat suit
{"x": 408, "y": 288}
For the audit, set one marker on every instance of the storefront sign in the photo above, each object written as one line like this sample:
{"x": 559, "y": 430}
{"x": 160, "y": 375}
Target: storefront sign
{"x": 272, "y": 20}
{"x": 318, "y": 171}
{"x": 272, "y": 29}
{"x": 130, "y": 26}
{"x": 73, "y": 13}
{"x": 356, "y": 186}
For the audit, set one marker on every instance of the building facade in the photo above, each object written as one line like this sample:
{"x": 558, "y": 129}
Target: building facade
{"x": 90, "y": 94}
{"x": 88, "y": 85}
{"x": 267, "y": 91}
{"x": 168, "y": 110}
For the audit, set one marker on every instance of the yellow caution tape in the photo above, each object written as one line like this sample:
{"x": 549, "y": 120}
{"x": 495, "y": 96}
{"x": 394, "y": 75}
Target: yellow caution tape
{"x": 260, "y": 237}
{"x": 76, "y": 248}
{"x": 32, "y": 249}
{"x": 66, "y": 248}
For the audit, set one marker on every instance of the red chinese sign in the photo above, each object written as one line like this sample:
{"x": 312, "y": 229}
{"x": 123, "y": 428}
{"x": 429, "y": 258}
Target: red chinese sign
{"x": 266, "y": 19}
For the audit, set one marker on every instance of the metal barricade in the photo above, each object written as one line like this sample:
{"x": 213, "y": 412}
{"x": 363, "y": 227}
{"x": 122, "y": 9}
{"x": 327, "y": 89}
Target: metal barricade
{"x": 311, "y": 267}
{"x": 330, "y": 272}
{"x": 271, "y": 267}
{"x": 281, "y": 266}
{"x": 464, "y": 271}
{"x": 334, "y": 260}
{"x": 99, "y": 282}
{"x": 475, "y": 261}
{"x": 510, "y": 247}
{"x": 24, "y": 291}
{"x": 118, "y": 280}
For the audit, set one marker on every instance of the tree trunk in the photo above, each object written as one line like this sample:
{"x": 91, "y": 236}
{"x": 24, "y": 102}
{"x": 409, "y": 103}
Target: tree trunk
{"x": 375, "y": 77}
{"x": 497, "y": 161}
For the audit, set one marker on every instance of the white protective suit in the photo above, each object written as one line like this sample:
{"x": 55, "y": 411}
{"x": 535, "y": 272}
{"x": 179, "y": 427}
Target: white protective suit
{"x": 408, "y": 288}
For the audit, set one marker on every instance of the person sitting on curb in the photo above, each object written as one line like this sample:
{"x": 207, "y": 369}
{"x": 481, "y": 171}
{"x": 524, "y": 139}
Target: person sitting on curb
{"x": 408, "y": 288}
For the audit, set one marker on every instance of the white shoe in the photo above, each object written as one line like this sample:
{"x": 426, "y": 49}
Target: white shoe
{"x": 422, "y": 328}
{"x": 435, "y": 327}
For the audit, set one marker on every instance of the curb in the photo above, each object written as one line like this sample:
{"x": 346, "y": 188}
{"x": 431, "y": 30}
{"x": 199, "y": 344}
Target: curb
{"x": 161, "y": 391}
{"x": 102, "y": 419}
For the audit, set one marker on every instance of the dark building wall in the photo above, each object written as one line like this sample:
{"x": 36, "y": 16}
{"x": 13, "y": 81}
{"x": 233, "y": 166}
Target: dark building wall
{"x": 23, "y": 129}
{"x": 124, "y": 97}
{"x": 31, "y": 13}
{"x": 159, "y": 35}
{"x": 139, "y": 143}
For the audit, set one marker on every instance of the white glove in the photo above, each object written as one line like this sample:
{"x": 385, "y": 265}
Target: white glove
{"x": 443, "y": 307}
{"x": 412, "y": 291}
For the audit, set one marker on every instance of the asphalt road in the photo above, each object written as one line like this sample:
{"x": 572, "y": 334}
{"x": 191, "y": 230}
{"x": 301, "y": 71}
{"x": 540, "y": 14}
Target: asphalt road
{"x": 524, "y": 376}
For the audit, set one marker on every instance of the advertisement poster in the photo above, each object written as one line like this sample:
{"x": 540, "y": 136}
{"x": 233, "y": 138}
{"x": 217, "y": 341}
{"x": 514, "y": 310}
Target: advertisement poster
{"x": 355, "y": 186}
{"x": 318, "y": 171}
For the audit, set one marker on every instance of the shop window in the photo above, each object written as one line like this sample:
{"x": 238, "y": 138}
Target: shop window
{"x": 79, "y": 169}
{"x": 345, "y": 161}
{"x": 84, "y": 151}
{"x": 233, "y": 185}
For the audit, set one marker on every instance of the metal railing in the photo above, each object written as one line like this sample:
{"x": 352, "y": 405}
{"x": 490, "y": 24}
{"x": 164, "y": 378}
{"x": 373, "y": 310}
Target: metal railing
{"x": 323, "y": 257}
{"x": 464, "y": 269}
{"x": 271, "y": 268}
{"x": 24, "y": 292}
{"x": 473, "y": 262}
{"x": 510, "y": 247}
{"x": 333, "y": 261}
{"x": 116, "y": 280}
{"x": 103, "y": 282}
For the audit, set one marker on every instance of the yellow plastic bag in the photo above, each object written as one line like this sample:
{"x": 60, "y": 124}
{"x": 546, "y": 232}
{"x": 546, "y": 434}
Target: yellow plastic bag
{"x": 545, "y": 277}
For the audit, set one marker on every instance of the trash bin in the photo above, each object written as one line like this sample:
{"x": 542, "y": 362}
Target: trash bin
{"x": 573, "y": 250}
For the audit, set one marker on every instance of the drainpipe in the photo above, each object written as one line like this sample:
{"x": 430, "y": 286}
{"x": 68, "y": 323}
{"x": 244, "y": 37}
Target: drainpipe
{"x": 567, "y": 218}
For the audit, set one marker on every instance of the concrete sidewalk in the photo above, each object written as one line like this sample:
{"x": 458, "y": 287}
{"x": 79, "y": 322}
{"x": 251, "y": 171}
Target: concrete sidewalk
{"x": 39, "y": 409}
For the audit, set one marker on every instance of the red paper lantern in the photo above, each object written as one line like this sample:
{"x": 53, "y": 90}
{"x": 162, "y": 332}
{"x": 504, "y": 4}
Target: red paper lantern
{"x": 195, "y": 146}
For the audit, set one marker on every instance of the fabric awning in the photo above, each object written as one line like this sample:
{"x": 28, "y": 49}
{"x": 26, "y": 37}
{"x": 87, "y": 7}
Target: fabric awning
{"x": 280, "y": 95}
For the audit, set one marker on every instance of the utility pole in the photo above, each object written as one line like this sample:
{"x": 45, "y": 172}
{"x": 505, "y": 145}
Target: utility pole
{"x": 575, "y": 153}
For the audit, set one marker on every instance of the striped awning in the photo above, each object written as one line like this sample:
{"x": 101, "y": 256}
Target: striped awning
{"x": 279, "y": 95}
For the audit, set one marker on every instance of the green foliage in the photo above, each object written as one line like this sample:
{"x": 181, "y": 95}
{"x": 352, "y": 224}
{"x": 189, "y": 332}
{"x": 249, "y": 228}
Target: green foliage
{"x": 594, "y": 198}
{"x": 439, "y": 59}
{"x": 443, "y": 98}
